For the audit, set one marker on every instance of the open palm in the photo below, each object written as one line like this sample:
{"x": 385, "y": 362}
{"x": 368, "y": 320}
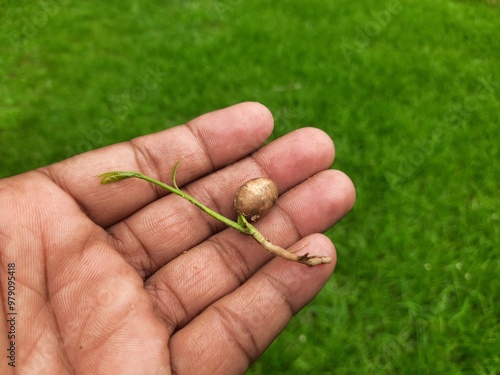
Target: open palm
{"x": 125, "y": 279}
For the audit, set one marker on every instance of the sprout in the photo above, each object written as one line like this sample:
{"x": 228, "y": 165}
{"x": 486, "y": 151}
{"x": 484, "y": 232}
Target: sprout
{"x": 252, "y": 201}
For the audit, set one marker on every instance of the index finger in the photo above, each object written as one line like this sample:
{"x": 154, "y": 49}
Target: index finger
{"x": 202, "y": 146}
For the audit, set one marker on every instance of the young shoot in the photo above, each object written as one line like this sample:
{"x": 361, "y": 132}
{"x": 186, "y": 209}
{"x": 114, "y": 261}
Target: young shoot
{"x": 252, "y": 201}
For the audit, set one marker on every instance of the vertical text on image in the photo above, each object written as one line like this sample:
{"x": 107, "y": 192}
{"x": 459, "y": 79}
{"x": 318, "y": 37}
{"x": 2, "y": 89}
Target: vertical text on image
{"x": 11, "y": 314}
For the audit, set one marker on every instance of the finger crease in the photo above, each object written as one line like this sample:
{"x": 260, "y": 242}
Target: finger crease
{"x": 203, "y": 144}
{"x": 277, "y": 285}
{"x": 147, "y": 165}
{"x": 237, "y": 267}
{"x": 290, "y": 221}
{"x": 169, "y": 304}
{"x": 143, "y": 249}
{"x": 235, "y": 327}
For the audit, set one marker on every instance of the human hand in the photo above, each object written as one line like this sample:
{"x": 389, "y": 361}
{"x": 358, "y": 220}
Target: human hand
{"x": 124, "y": 279}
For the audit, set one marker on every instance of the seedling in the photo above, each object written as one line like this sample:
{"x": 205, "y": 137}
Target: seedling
{"x": 252, "y": 201}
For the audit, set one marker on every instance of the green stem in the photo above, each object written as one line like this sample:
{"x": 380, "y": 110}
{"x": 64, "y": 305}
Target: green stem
{"x": 111, "y": 177}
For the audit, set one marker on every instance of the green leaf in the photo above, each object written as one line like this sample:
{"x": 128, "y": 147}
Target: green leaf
{"x": 242, "y": 221}
{"x": 110, "y": 177}
{"x": 174, "y": 172}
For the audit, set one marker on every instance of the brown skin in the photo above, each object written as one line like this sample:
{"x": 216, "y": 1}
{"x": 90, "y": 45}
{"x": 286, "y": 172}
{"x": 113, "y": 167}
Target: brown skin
{"x": 121, "y": 279}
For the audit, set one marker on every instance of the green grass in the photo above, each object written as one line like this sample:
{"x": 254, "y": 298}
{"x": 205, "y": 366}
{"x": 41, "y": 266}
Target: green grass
{"x": 407, "y": 89}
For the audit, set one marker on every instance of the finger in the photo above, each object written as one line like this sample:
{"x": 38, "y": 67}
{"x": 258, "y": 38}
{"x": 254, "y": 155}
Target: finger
{"x": 221, "y": 264}
{"x": 233, "y": 332}
{"x": 166, "y": 228}
{"x": 201, "y": 146}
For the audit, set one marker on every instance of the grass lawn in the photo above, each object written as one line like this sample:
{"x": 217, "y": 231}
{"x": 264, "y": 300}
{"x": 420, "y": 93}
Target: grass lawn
{"x": 409, "y": 91}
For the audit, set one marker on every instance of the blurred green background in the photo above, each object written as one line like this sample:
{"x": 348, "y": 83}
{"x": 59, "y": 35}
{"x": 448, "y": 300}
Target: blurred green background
{"x": 408, "y": 90}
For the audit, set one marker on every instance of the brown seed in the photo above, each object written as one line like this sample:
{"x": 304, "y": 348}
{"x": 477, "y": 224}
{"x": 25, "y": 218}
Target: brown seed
{"x": 254, "y": 199}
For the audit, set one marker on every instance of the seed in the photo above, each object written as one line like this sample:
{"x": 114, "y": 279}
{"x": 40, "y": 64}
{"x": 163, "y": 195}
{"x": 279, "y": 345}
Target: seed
{"x": 255, "y": 198}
